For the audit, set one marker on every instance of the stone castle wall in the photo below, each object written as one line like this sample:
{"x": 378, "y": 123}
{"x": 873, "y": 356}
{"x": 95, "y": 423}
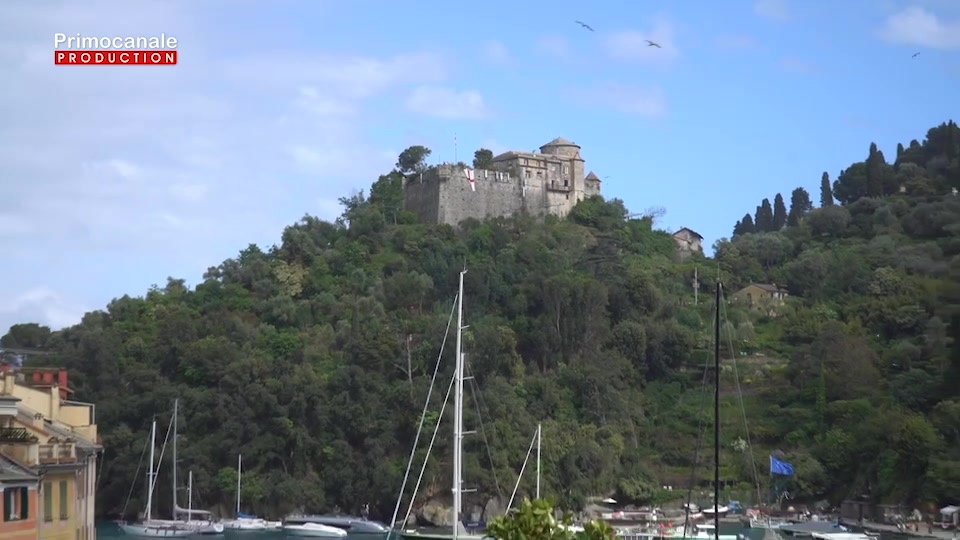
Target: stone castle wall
{"x": 443, "y": 195}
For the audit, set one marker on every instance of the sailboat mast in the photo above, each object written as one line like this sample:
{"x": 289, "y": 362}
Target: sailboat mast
{"x": 151, "y": 475}
{"x": 539, "y": 432}
{"x": 458, "y": 417}
{"x": 176, "y": 404}
{"x": 190, "y": 495}
{"x": 716, "y": 417}
{"x": 239, "y": 471}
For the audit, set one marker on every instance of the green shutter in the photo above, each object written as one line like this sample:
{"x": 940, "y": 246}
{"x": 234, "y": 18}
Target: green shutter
{"x": 48, "y": 501}
{"x": 64, "y": 499}
{"x": 6, "y": 504}
{"x": 24, "y": 503}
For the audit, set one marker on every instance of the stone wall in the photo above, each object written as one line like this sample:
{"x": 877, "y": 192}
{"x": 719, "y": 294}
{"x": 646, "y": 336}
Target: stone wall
{"x": 443, "y": 195}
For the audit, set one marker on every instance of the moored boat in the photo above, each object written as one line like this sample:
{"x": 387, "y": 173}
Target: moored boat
{"x": 300, "y": 527}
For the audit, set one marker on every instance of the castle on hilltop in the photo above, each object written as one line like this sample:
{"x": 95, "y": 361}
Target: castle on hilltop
{"x": 551, "y": 181}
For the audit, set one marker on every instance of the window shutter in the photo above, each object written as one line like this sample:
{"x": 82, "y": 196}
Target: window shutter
{"x": 25, "y": 500}
{"x": 7, "y": 507}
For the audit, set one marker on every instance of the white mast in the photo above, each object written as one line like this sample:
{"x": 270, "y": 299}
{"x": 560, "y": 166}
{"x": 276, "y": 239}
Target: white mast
{"x": 458, "y": 417}
{"x": 239, "y": 467}
{"x": 189, "y": 493}
{"x": 150, "y": 475}
{"x": 176, "y": 403}
{"x": 539, "y": 432}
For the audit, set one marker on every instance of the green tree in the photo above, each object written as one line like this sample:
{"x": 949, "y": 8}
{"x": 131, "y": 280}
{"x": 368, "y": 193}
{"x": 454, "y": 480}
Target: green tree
{"x": 534, "y": 520}
{"x": 483, "y": 159}
{"x": 826, "y": 191}
{"x": 763, "y": 220}
{"x": 779, "y": 213}
{"x": 413, "y": 159}
{"x": 800, "y": 206}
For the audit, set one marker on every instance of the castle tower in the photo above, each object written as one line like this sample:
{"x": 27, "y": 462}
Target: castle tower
{"x": 569, "y": 152}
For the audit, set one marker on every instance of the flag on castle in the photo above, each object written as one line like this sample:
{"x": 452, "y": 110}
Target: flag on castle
{"x": 471, "y": 178}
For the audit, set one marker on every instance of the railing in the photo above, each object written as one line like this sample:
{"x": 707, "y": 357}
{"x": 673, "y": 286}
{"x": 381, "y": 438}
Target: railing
{"x": 52, "y": 454}
{"x": 13, "y": 435}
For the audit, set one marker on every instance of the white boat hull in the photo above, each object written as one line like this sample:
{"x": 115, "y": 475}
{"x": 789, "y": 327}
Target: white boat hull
{"x": 194, "y": 527}
{"x": 153, "y": 530}
{"x": 247, "y": 524}
{"x": 313, "y": 530}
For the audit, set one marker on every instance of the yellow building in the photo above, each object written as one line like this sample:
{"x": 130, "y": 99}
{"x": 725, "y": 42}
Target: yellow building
{"x": 65, "y": 452}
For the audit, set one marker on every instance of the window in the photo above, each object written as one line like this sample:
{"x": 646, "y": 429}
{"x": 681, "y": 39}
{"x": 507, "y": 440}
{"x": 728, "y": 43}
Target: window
{"x": 64, "y": 500}
{"x": 527, "y": 171}
{"x": 565, "y": 170}
{"x": 16, "y": 503}
{"x": 48, "y": 501}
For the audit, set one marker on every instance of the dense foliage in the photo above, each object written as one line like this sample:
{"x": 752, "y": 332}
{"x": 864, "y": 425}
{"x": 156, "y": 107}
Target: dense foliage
{"x": 313, "y": 358}
{"x": 535, "y": 520}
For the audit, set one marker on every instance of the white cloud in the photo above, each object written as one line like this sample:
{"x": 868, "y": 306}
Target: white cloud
{"x": 118, "y": 163}
{"x": 917, "y": 26}
{"x": 553, "y": 45}
{"x": 630, "y": 99}
{"x": 777, "y": 10}
{"x": 40, "y": 304}
{"x": 447, "y": 103}
{"x": 633, "y": 44}
{"x": 495, "y": 52}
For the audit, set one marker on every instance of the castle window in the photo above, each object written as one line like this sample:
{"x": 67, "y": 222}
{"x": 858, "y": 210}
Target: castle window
{"x": 540, "y": 173}
{"x": 566, "y": 170}
{"x": 566, "y": 183}
{"x": 568, "y": 196}
{"x": 527, "y": 171}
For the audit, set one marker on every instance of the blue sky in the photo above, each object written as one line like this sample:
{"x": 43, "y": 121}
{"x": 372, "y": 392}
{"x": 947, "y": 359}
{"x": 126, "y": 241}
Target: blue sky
{"x": 116, "y": 177}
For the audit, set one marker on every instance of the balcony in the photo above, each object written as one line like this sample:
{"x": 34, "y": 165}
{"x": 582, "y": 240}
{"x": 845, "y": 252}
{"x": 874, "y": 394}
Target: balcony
{"x": 56, "y": 453}
{"x": 16, "y": 435}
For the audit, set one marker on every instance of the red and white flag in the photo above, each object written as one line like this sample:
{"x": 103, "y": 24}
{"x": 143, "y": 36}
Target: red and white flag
{"x": 471, "y": 179}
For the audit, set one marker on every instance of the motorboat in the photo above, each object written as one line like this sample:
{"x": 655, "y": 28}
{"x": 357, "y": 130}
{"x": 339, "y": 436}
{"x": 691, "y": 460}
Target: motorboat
{"x": 300, "y": 527}
{"x": 350, "y": 524}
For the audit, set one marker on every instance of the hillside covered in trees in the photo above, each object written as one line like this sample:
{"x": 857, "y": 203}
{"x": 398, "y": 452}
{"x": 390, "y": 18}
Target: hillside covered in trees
{"x": 313, "y": 357}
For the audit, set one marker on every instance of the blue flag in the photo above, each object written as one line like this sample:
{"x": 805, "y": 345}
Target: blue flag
{"x": 780, "y": 467}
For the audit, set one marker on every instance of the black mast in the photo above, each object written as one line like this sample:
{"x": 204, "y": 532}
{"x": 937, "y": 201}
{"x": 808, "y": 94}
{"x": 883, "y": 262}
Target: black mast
{"x": 716, "y": 418}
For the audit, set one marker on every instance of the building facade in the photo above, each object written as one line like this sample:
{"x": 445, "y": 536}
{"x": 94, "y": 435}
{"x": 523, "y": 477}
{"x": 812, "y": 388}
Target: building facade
{"x": 59, "y": 445}
{"x": 548, "y": 182}
{"x": 688, "y": 242}
{"x": 18, "y": 482}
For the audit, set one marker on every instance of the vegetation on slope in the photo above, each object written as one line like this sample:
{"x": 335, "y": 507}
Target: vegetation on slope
{"x": 313, "y": 358}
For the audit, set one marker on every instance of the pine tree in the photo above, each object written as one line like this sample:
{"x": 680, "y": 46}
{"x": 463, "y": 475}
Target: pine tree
{"x": 826, "y": 193}
{"x": 800, "y": 204}
{"x": 779, "y": 213}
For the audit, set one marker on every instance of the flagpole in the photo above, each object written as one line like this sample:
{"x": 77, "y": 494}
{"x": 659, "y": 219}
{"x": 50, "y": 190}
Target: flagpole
{"x": 455, "y": 160}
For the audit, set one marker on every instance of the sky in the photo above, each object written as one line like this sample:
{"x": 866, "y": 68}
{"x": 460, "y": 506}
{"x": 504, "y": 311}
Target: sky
{"x": 113, "y": 178}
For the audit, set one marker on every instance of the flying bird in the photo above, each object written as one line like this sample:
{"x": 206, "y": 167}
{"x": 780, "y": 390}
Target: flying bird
{"x": 652, "y": 44}
{"x": 916, "y": 54}
{"x": 585, "y": 25}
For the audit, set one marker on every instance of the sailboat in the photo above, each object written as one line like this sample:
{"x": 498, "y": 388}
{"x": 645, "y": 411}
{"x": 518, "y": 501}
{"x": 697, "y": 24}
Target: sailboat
{"x": 458, "y": 531}
{"x": 193, "y": 526}
{"x": 148, "y": 528}
{"x": 247, "y": 522}
{"x": 703, "y": 531}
